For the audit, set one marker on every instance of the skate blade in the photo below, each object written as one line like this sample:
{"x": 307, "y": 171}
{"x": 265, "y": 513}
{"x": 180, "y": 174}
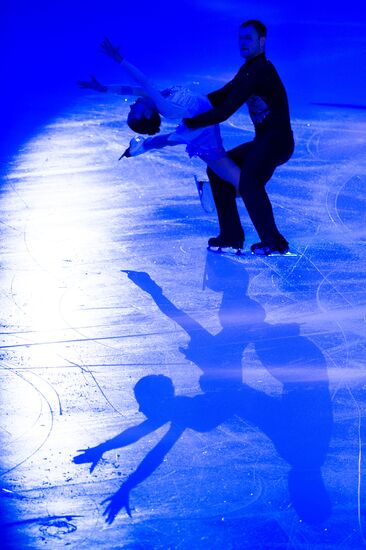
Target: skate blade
{"x": 240, "y": 253}
{"x": 226, "y": 250}
{"x": 205, "y": 195}
{"x": 277, "y": 255}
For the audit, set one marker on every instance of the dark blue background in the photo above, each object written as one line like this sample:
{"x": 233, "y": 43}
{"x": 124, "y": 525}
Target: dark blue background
{"x": 318, "y": 48}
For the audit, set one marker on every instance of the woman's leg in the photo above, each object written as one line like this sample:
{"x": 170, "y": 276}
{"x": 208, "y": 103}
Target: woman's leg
{"x": 227, "y": 170}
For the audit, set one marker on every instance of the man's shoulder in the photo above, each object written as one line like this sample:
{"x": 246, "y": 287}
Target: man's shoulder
{"x": 259, "y": 67}
{"x": 259, "y": 62}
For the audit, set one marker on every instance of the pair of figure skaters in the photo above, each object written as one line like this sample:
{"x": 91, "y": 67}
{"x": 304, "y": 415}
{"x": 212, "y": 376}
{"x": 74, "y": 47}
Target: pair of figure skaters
{"x": 241, "y": 172}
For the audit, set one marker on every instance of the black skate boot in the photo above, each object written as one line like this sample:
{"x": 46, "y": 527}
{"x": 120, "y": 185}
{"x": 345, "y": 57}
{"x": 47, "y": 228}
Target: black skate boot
{"x": 218, "y": 243}
{"x": 266, "y": 249}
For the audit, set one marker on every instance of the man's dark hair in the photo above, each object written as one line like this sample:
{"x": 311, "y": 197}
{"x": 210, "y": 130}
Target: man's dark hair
{"x": 260, "y": 28}
{"x": 143, "y": 125}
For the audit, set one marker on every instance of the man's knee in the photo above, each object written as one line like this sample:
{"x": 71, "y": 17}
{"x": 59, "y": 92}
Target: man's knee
{"x": 253, "y": 182}
{"x": 248, "y": 187}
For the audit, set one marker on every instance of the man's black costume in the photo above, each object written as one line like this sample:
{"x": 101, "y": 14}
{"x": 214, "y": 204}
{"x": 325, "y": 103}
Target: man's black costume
{"x": 257, "y": 83}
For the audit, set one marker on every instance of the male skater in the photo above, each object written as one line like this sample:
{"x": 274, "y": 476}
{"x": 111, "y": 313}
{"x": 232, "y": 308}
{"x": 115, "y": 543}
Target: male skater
{"x": 257, "y": 83}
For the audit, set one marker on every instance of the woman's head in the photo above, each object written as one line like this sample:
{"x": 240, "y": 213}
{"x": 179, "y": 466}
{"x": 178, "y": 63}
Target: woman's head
{"x": 144, "y": 117}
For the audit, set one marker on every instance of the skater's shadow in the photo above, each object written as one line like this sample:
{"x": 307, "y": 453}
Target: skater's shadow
{"x": 219, "y": 356}
{"x": 298, "y": 420}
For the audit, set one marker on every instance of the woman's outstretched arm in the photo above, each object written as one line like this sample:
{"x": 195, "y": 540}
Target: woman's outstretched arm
{"x": 96, "y": 85}
{"x": 164, "y": 106}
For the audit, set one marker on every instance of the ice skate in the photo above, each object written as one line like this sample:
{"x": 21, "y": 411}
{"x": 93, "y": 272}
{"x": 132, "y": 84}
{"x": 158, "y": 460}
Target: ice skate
{"x": 136, "y": 148}
{"x": 264, "y": 249}
{"x": 205, "y": 195}
{"x": 226, "y": 245}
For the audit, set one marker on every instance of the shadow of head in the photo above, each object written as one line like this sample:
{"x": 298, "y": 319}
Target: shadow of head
{"x": 237, "y": 311}
{"x": 153, "y": 392}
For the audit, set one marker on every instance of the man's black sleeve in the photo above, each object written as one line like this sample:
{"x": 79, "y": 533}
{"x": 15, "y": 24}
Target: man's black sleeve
{"x": 232, "y": 97}
{"x": 220, "y": 95}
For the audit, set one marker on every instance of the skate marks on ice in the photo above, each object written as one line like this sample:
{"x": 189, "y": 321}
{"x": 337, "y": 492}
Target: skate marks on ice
{"x": 349, "y": 206}
{"x": 102, "y": 332}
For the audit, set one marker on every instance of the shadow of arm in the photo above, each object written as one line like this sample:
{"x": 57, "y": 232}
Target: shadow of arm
{"x": 148, "y": 465}
{"x": 125, "y": 438}
{"x": 144, "y": 281}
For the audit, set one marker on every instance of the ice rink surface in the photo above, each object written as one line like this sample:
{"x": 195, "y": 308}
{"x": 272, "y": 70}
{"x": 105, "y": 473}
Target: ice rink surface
{"x": 106, "y": 284}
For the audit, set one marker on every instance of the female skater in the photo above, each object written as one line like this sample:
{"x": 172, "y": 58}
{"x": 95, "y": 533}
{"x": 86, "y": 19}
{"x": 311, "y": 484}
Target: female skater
{"x": 173, "y": 103}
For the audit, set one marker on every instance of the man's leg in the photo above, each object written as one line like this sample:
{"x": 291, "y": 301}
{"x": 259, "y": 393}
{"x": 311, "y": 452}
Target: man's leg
{"x": 231, "y": 230}
{"x": 224, "y": 194}
{"x": 258, "y": 205}
{"x": 258, "y": 168}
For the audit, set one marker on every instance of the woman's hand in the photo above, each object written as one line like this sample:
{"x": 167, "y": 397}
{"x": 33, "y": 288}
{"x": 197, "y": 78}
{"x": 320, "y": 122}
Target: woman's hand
{"x": 112, "y": 51}
{"x": 92, "y": 84}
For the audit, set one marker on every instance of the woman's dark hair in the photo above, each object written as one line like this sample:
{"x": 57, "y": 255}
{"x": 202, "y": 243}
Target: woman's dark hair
{"x": 259, "y": 27}
{"x": 144, "y": 125}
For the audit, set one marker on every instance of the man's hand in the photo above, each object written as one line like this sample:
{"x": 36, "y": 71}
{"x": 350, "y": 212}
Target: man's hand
{"x": 189, "y": 123}
{"x": 92, "y": 84}
{"x": 93, "y": 455}
{"x": 112, "y": 51}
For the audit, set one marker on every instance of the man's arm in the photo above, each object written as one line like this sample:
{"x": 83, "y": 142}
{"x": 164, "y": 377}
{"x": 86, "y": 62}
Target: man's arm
{"x": 226, "y": 101}
{"x": 219, "y": 96}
